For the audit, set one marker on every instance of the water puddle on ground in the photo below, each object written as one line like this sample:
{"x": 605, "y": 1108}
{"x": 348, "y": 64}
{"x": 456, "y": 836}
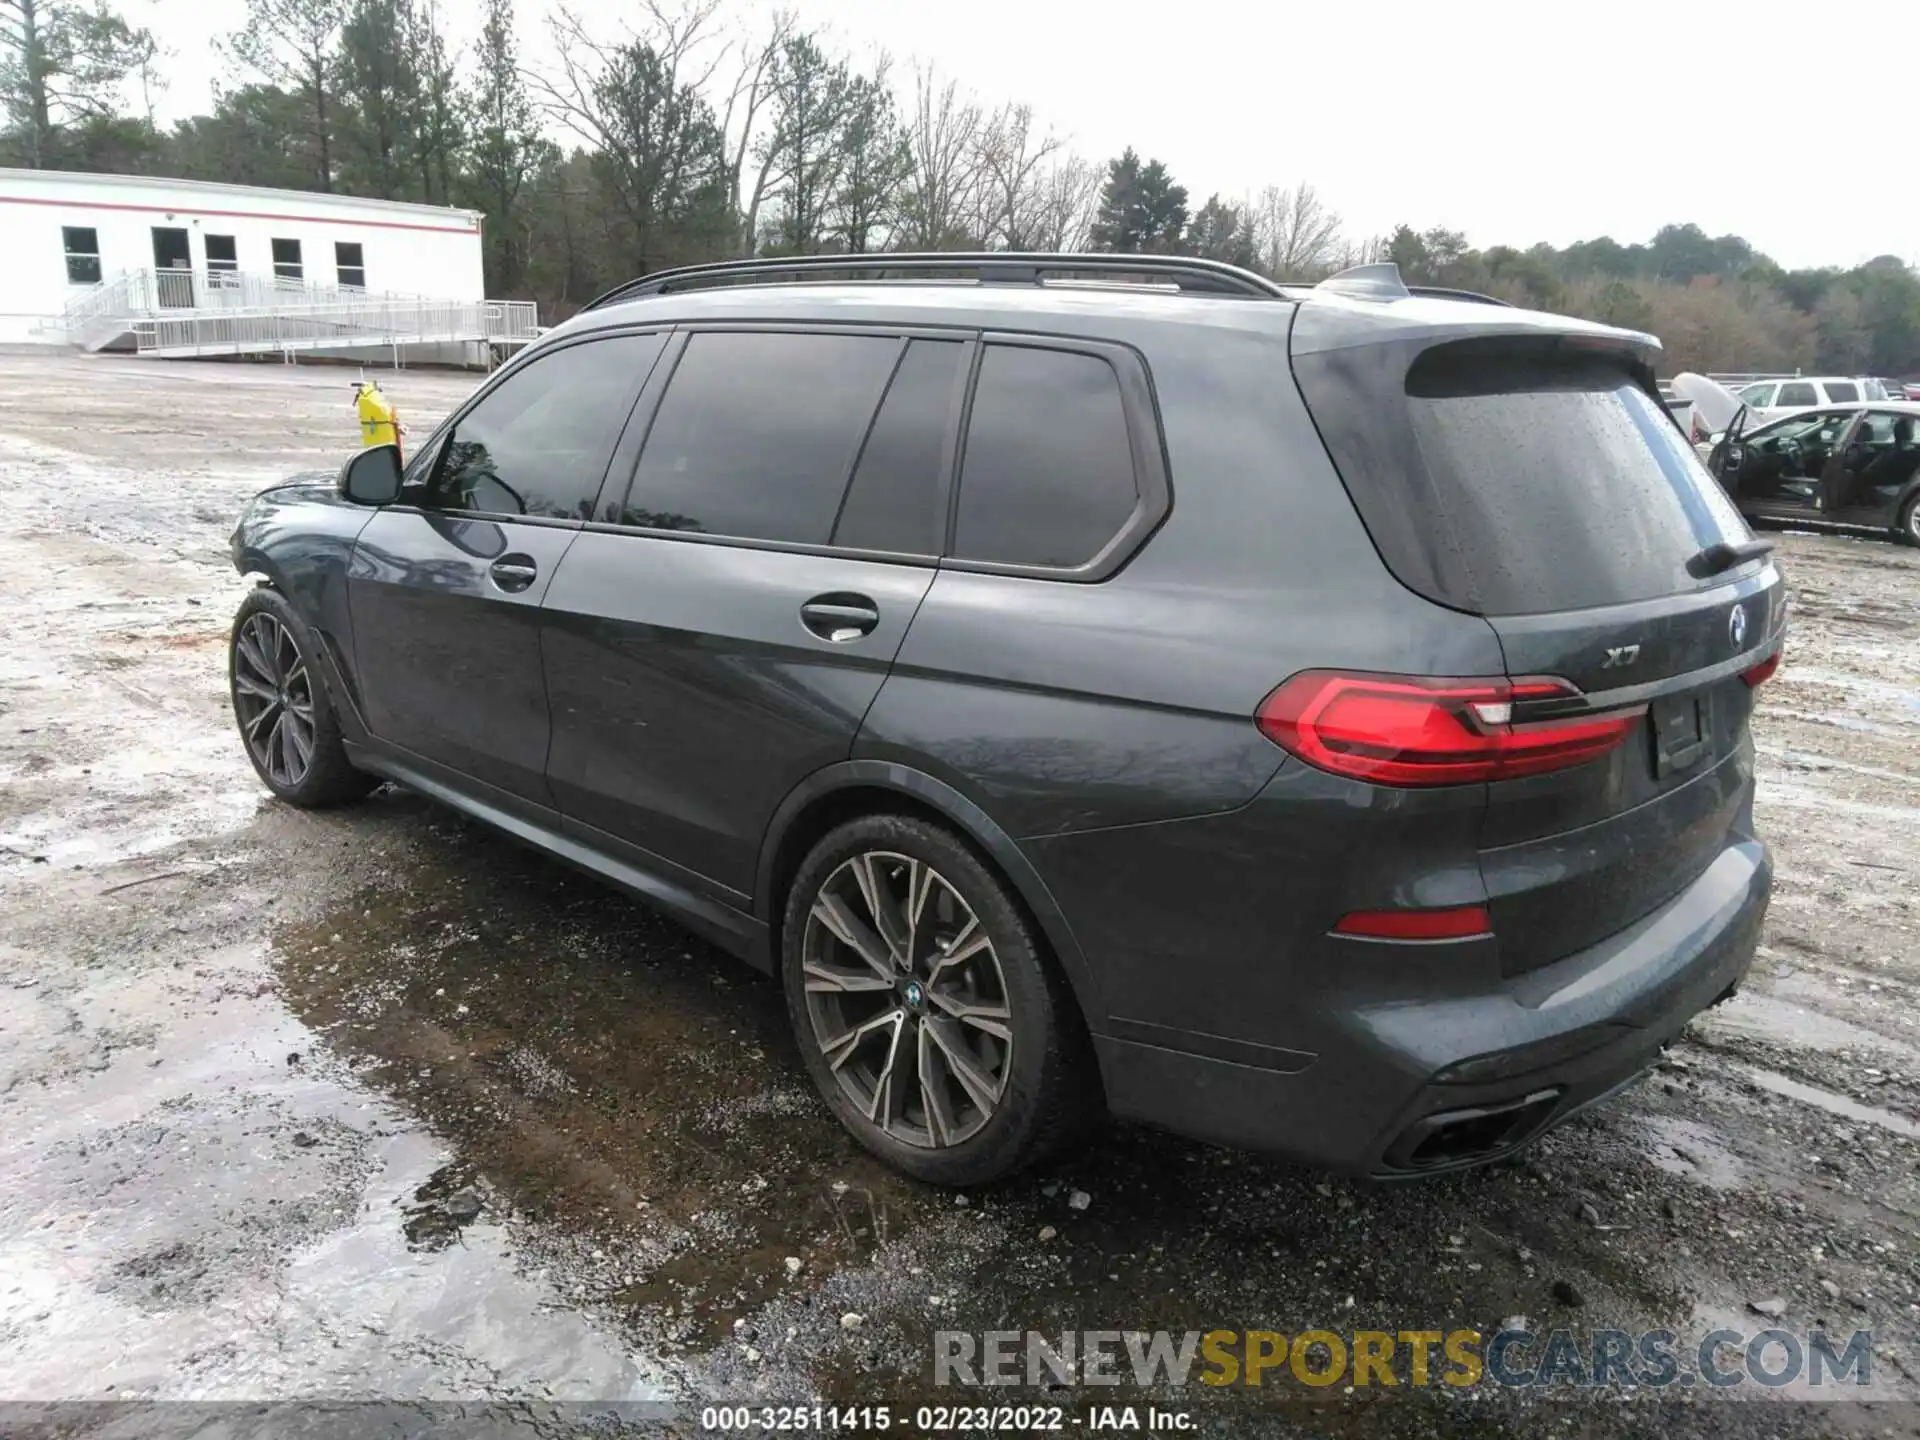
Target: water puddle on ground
{"x": 630, "y": 1094}
{"x": 1826, "y": 1100}
{"x": 1693, "y": 1151}
{"x": 202, "y": 1203}
{"x": 1756, "y": 1014}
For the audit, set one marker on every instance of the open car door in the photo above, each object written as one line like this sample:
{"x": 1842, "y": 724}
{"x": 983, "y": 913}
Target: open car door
{"x": 1728, "y": 452}
{"x": 1835, "y": 475}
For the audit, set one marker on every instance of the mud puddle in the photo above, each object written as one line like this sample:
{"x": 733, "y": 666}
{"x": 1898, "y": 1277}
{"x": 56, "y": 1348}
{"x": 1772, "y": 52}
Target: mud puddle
{"x": 600, "y": 1071}
{"x": 202, "y": 1201}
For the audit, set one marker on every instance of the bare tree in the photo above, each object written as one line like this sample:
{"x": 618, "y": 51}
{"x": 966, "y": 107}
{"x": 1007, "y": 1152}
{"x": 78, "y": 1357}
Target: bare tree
{"x": 1010, "y": 157}
{"x": 742, "y": 118}
{"x": 1368, "y": 250}
{"x": 1296, "y": 236}
{"x": 1067, "y": 195}
{"x": 942, "y": 199}
{"x": 655, "y": 141}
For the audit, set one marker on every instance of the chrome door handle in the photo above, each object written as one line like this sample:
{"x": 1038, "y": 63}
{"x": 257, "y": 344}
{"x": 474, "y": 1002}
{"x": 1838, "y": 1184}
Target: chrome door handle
{"x": 514, "y": 572}
{"x": 840, "y": 618}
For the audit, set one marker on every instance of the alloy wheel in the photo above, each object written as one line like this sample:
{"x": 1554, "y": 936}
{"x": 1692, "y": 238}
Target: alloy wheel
{"x": 907, "y": 1000}
{"x": 273, "y": 698}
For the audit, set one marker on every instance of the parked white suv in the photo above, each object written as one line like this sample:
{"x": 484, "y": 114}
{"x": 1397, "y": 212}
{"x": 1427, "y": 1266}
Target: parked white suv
{"x": 1770, "y": 399}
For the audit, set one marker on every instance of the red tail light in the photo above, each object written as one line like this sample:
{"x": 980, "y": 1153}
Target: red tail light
{"x": 1468, "y": 922}
{"x": 1410, "y": 730}
{"x": 1763, "y": 672}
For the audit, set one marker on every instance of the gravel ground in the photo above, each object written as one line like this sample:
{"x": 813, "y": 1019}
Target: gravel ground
{"x": 373, "y": 1104}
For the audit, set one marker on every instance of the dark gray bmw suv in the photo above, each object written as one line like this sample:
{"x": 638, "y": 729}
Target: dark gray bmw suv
{"x": 1309, "y": 718}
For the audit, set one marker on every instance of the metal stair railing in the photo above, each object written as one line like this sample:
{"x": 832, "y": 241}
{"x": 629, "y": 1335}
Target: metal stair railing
{"x": 230, "y": 312}
{"x": 283, "y": 328}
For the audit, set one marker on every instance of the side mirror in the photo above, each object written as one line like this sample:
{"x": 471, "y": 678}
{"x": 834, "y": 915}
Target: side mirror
{"x": 372, "y": 477}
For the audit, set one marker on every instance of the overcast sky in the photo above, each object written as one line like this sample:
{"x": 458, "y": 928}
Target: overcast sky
{"x": 1512, "y": 120}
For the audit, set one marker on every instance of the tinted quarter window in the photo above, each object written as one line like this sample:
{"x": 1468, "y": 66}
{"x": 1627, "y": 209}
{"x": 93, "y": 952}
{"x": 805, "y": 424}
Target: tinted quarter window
{"x": 1839, "y": 392}
{"x": 1799, "y": 393}
{"x": 757, "y": 434}
{"x": 1048, "y": 477}
{"x": 538, "y": 443}
{"x": 894, "y": 500}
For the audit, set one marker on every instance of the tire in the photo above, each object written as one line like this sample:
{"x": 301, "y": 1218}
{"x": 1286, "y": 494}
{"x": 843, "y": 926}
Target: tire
{"x": 276, "y": 690}
{"x": 1909, "y": 527}
{"x": 931, "y": 1123}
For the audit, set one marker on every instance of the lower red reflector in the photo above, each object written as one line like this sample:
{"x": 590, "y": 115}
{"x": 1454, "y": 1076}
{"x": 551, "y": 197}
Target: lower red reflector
{"x": 1763, "y": 672}
{"x": 1467, "y": 922}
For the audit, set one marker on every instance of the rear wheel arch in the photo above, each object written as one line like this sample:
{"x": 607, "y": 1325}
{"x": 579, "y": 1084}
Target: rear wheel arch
{"x": 838, "y": 793}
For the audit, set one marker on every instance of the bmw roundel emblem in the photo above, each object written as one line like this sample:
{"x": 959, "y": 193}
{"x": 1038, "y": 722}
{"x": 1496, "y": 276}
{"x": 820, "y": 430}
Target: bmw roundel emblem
{"x": 1737, "y": 627}
{"x": 915, "y": 995}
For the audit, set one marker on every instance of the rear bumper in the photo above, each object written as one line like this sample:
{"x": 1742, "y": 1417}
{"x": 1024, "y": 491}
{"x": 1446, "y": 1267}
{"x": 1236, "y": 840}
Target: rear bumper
{"x": 1405, "y": 1087}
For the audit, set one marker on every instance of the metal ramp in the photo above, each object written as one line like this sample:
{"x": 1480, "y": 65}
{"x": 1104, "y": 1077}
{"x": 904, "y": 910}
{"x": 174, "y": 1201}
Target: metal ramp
{"x": 354, "y": 326}
{"x": 184, "y": 314}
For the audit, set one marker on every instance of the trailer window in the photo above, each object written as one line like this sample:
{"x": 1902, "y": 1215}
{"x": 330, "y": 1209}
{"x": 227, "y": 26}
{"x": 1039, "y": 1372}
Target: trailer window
{"x": 82, "y": 244}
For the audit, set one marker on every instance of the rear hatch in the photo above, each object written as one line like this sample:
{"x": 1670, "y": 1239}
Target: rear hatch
{"x": 1522, "y": 468}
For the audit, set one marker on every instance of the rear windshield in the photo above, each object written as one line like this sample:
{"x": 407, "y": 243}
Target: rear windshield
{"x": 1512, "y": 484}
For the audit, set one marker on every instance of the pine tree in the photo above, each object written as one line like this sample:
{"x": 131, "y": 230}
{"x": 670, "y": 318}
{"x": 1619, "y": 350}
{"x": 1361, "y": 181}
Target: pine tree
{"x": 1141, "y": 210}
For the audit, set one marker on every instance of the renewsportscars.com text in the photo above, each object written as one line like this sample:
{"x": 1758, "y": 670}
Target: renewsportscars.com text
{"x": 1461, "y": 1358}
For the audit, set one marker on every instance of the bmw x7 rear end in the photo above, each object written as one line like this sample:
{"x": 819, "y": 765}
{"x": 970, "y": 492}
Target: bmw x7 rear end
{"x": 1507, "y": 645}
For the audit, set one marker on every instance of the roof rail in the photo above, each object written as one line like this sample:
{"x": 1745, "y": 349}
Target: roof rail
{"x": 1208, "y": 277}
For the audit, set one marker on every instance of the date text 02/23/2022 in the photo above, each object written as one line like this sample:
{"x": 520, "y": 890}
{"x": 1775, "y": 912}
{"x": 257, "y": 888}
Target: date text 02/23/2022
{"x": 941, "y": 1419}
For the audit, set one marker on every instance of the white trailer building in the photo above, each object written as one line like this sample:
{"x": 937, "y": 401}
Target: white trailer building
{"x": 188, "y": 267}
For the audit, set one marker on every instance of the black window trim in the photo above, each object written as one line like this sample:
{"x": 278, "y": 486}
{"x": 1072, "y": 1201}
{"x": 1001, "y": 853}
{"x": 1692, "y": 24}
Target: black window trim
{"x": 1151, "y": 473}
{"x": 434, "y": 449}
{"x": 1152, "y": 483}
{"x": 614, "y": 501}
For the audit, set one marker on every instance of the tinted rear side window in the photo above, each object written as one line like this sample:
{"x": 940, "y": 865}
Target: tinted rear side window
{"x": 1799, "y": 393}
{"x": 894, "y": 500}
{"x": 757, "y": 433}
{"x": 1520, "y": 483}
{"x": 1048, "y": 477}
{"x": 1839, "y": 392}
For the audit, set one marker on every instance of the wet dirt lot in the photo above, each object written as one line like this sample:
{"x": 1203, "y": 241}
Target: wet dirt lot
{"x": 372, "y": 1103}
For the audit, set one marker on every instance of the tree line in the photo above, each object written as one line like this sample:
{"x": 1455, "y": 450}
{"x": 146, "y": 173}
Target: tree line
{"x": 691, "y": 135}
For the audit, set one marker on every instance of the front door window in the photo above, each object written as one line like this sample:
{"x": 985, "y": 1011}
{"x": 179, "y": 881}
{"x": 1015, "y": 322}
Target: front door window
{"x": 172, "y": 267}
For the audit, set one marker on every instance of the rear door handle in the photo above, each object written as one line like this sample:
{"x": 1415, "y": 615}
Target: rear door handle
{"x": 841, "y": 617}
{"x": 514, "y": 572}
